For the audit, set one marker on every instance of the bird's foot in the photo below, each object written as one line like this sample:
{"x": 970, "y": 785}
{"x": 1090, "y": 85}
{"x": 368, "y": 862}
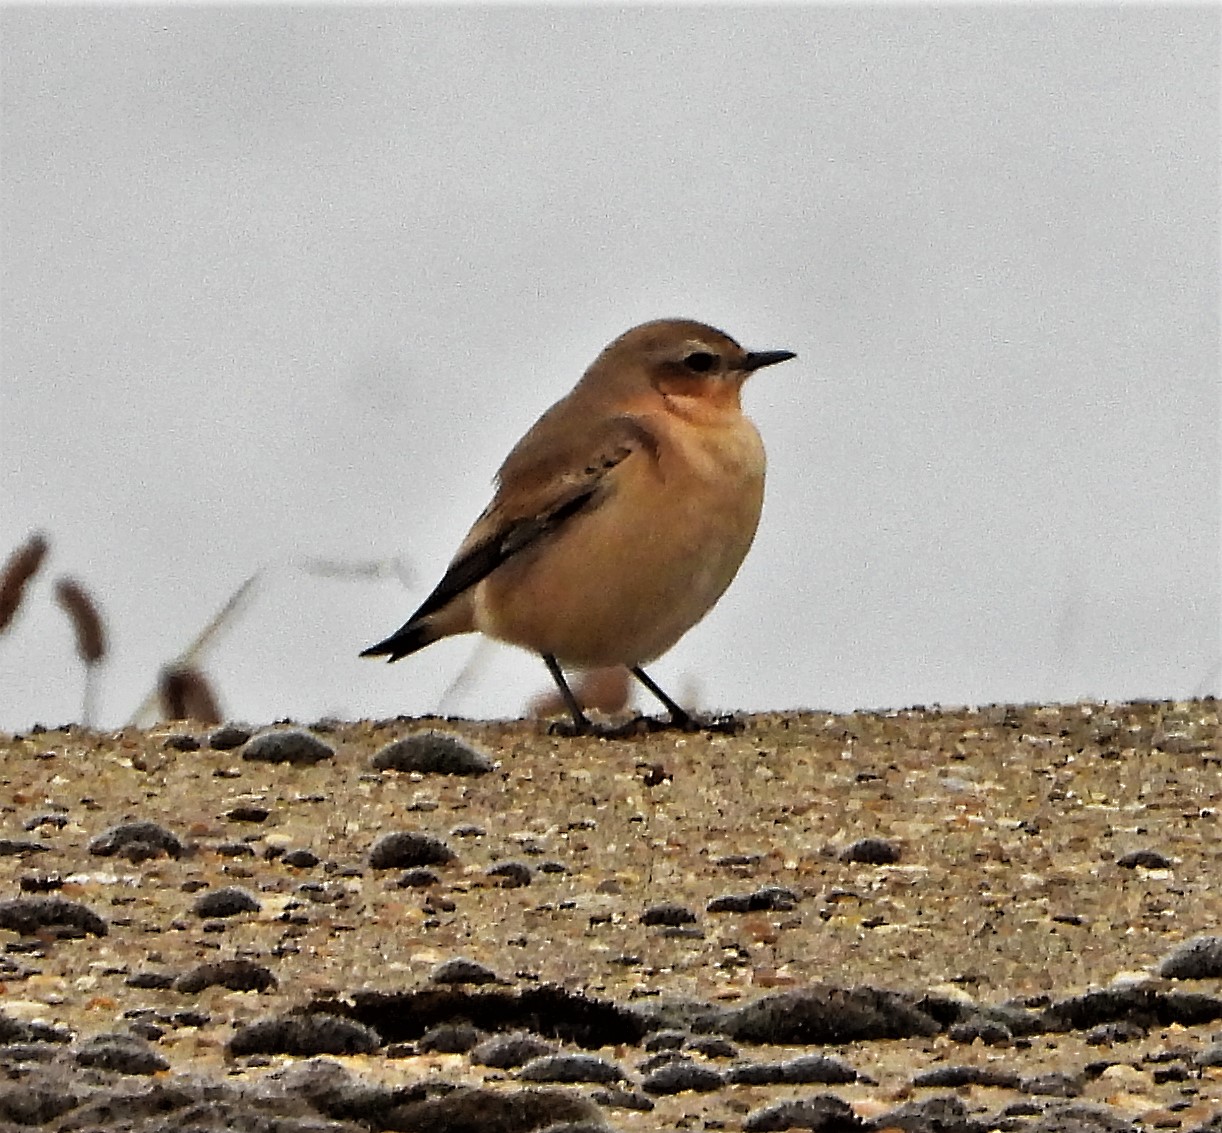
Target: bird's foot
{"x": 723, "y": 725}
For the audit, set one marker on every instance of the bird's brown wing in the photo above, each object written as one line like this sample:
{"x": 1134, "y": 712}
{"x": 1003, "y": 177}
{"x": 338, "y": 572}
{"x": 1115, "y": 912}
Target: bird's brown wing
{"x": 536, "y": 496}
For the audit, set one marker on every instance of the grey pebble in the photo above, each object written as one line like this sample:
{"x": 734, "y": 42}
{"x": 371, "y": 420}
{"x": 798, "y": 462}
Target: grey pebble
{"x": 228, "y": 736}
{"x": 125, "y": 1054}
{"x": 712, "y": 1046}
{"x": 419, "y": 878}
{"x": 675, "y": 1077}
{"x": 1197, "y": 959}
{"x": 181, "y": 741}
{"x": 510, "y": 874}
{"x": 1147, "y": 859}
{"x": 871, "y": 851}
{"x": 14, "y": 847}
{"x": 436, "y": 752}
{"x": 1106, "y": 1033}
{"x": 405, "y": 849}
{"x": 570, "y": 1068}
{"x": 460, "y": 970}
{"x": 957, "y": 1076}
{"x": 448, "y": 1038}
{"x": 235, "y": 975}
{"x": 137, "y": 842}
{"x": 618, "y": 1098}
{"x": 228, "y": 901}
{"x": 988, "y": 1031}
{"x": 300, "y": 859}
{"x": 1053, "y": 1084}
{"x": 28, "y": 915}
{"x": 504, "y": 1052}
{"x": 668, "y": 913}
{"x": 768, "y": 898}
{"x": 293, "y": 746}
{"x": 806, "y": 1069}
{"x": 825, "y": 1113}
{"x": 304, "y": 1035}
{"x": 665, "y": 1040}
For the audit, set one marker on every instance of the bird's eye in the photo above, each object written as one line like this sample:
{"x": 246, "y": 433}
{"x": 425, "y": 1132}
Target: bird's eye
{"x": 700, "y": 362}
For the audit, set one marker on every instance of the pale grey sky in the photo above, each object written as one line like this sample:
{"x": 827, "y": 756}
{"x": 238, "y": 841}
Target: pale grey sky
{"x": 290, "y": 282}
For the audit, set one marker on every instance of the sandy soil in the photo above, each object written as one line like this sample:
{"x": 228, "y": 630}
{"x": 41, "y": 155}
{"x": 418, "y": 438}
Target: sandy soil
{"x": 1022, "y": 856}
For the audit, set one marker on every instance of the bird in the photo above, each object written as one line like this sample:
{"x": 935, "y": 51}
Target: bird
{"x": 619, "y": 519}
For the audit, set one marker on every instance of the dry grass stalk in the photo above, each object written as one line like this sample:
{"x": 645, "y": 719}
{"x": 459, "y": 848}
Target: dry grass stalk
{"x": 224, "y": 617}
{"x": 86, "y": 620}
{"x": 22, "y": 565}
{"x": 90, "y": 636}
{"x": 185, "y": 694}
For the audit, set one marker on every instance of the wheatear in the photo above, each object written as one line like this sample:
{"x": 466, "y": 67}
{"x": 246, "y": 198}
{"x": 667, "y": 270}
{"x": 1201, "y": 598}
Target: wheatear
{"x": 619, "y": 519}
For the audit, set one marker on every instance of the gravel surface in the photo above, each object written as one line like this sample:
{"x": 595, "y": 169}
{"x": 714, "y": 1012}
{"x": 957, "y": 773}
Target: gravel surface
{"x": 931, "y": 920}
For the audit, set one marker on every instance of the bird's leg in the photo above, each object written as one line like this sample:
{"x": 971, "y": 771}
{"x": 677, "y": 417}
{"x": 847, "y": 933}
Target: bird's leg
{"x": 581, "y": 722}
{"x": 678, "y": 717}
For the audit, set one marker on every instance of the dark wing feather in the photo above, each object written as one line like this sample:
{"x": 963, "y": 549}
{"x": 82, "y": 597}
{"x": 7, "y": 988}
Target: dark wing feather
{"x": 510, "y": 531}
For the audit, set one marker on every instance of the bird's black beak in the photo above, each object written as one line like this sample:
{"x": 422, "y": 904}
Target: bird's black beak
{"x": 758, "y": 359}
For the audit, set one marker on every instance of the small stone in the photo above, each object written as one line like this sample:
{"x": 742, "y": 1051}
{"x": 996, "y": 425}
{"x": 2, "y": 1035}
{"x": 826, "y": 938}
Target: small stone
{"x": 300, "y": 859}
{"x": 1147, "y": 859}
{"x": 448, "y": 1038}
{"x": 944, "y": 1113}
{"x": 247, "y": 813}
{"x": 1107, "y": 1033}
{"x": 825, "y": 1113}
{"x": 228, "y": 736}
{"x": 712, "y": 1046}
{"x": 988, "y": 1031}
{"x": 871, "y": 851}
{"x": 228, "y": 901}
{"x": 1053, "y": 1084}
{"x": 304, "y": 1035}
{"x": 294, "y": 746}
{"x": 30, "y": 915}
{"x": 738, "y": 861}
{"x": 504, "y": 1052}
{"x": 234, "y": 850}
{"x": 181, "y": 741}
{"x": 1209, "y": 1056}
{"x": 137, "y": 842}
{"x": 616, "y": 1097}
{"x": 236, "y": 975}
{"x": 665, "y": 1040}
{"x": 957, "y": 1076}
{"x": 124, "y": 1054}
{"x": 405, "y": 849}
{"x": 16, "y": 847}
{"x": 668, "y": 913}
{"x": 675, "y": 1077}
{"x": 151, "y": 981}
{"x": 1197, "y": 959}
{"x": 769, "y": 898}
{"x": 805, "y": 1070}
{"x": 570, "y": 1068}
{"x": 510, "y": 875}
{"x": 433, "y": 752}
{"x": 460, "y": 970}
{"x": 418, "y": 878}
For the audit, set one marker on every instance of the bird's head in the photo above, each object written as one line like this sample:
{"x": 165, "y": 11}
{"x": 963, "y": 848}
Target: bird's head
{"x": 681, "y": 359}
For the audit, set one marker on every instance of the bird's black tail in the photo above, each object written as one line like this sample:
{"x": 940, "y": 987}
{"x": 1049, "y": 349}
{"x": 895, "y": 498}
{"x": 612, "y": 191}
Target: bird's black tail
{"x": 407, "y": 639}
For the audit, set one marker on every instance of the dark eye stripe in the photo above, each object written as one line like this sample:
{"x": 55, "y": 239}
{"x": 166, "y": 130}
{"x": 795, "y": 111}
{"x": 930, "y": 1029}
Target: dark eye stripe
{"x": 701, "y": 362}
